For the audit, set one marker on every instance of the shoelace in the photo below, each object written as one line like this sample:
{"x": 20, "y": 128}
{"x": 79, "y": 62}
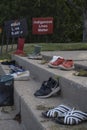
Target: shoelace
{"x": 48, "y": 84}
{"x": 44, "y": 85}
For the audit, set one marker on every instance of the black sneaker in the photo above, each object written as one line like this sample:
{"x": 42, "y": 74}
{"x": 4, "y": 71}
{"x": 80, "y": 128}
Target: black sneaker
{"x": 12, "y": 62}
{"x": 48, "y": 88}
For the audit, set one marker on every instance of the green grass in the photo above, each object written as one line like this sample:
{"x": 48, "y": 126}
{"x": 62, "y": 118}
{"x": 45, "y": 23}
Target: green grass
{"x": 57, "y": 46}
{"x": 28, "y": 48}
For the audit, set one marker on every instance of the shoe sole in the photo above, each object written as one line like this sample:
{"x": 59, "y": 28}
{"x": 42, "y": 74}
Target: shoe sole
{"x": 52, "y": 93}
{"x": 52, "y": 66}
{"x": 63, "y": 68}
{"x": 21, "y": 78}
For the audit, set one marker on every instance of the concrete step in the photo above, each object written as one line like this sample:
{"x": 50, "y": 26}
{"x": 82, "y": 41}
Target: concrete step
{"x": 79, "y": 57}
{"x": 73, "y": 94}
{"x": 7, "y": 122}
{"x": 8, "y": 113}
{"x": 72, "y": 87}
{"x": 31, "y": 107}
{"x": 9, "y": 125}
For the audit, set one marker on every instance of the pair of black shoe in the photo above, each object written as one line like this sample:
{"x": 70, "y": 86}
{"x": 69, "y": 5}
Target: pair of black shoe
{"x": 12, "y": 62}
{"x": 48, "y": 88}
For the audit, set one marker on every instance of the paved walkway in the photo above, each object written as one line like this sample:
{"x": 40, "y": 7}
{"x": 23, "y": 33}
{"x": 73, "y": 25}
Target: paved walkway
{"x": 7, "y": 121}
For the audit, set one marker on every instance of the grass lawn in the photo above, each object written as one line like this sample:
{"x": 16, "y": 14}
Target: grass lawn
{"x": 57, "y": 46}
{"x": 28, "y": 48}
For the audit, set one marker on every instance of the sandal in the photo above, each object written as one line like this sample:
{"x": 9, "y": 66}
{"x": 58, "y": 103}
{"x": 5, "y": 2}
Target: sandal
{"x": 72, "y": 118}
{"x": 59, "y": 111}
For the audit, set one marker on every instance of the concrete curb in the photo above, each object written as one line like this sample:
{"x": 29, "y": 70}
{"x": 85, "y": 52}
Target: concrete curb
{"x": 72, "y": 88}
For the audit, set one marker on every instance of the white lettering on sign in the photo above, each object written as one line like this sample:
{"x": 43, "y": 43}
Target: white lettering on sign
{"x": 17, "y": 32}
{"x": 43, "y": 26}
{"x": 15, "y": 24}
{"x": 42, "y": 22}
{"x": 42, "y": 30}
{"x": 15, "y": 29}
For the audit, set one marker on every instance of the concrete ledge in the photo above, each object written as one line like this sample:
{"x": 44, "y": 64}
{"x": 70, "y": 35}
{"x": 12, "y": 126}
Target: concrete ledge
{"x": 74, "y": 93}
{"x": 27, "y": 104}
{"x": 72, "y": 88}
{"x": 38, "y": 73}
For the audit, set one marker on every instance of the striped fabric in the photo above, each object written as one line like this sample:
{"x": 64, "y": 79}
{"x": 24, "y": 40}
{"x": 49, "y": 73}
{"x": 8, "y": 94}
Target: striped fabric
{"x": 75, "y": 117}
{"x": 61, "y": 110}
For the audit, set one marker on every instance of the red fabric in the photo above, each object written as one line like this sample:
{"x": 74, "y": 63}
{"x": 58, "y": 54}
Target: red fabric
{"x": 20, "y": 46}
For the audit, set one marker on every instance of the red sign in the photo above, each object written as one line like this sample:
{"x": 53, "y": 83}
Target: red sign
{"x": 42, "y": 25}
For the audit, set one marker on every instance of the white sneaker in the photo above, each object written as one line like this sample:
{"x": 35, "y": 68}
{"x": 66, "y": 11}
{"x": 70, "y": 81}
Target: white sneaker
{"x": 54, "y": 59}
{"x": 21, "y": 75}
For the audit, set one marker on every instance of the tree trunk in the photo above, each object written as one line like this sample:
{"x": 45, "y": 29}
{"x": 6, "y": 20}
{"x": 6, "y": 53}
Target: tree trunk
{"x": 85, "y": 25}
{"x": 85, "y": 21}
